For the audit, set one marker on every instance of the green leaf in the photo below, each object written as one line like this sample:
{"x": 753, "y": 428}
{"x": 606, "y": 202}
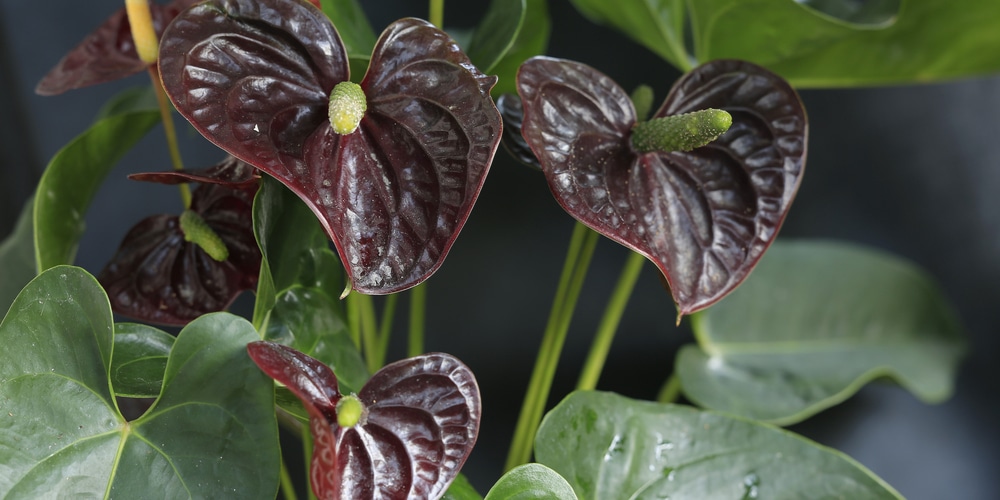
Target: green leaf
{"x": 611, "y": 447}
{"x": 929, "y": 40}
{"x": 308, "y": 320}
{"x": 461, "y": 489}
{"x": 17, "y": 257}
{"x": 139, "y": 360}
{"x": 530, "y": 482}
{"x": 531, "y": 40}
{"x": 656, "y": 24}
{"x": 496, "y": 33}
{"x": 72, "y": 179}
{"x": 211, "y": 433}
{"x": 128, "y": 100}
{"x": 815, "y": 322}
{"x": 293, "y": 246}
{"x": 872, "y": 12}
{"x": 352, "y": 26}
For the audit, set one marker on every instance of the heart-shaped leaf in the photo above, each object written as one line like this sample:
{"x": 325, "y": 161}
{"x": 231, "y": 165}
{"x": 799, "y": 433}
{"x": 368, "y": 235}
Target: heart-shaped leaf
{"x": 140, "y": 359}
{"x": 211, "y": 431}
{"x": 417, "y": 422}
{"x": 705, "y": 216}
{"x": 611, "y": 447}
{"x": 159, "y": 275}
{"x": 392, "y": 195}
{"x": 531, "y": 482}
{"x": 782, "y": 348}
{"x": 106, "y": 54}
{"x": 17, "y": 257}
{"x": 72, "y": 178}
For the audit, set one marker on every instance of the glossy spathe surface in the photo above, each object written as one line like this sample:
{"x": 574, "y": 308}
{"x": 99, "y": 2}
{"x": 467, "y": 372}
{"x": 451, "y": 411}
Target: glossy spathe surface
{"x": 255, "y": 78}
{"x": 704, "y": 216}
{"x": 420, "y": 422}
{"x": 159, "y": 277}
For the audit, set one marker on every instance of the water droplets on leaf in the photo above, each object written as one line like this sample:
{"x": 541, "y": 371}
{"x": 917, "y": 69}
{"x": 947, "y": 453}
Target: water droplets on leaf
{"x": 616, "y": 448}
{"x": 750, "y": 486}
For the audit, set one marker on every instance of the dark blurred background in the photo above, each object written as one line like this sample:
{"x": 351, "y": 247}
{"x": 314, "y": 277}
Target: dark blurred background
{"x": 912, "y": 170}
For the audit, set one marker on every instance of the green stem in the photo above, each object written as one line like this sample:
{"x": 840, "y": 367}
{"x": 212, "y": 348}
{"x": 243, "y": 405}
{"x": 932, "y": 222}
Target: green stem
{"x": 369, "y": 331}
{"x": 436, "y": 16}
{"x": 354, "y": 319}
{"x": 287, "y": 486}
{"x": 581, "y": 249}
{"x": 307, "y": 448}
{"x": 418, "y": 307}
{"x": 168, "y": 130}
{"x": 385, "y": 327}
{"x": 671, "y": 389}
{"x": 592, "y": 368}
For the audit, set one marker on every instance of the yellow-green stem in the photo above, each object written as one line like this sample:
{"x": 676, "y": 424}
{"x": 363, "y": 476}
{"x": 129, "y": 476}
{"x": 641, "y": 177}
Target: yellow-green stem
{"x": 418, "y": 307}
{"x": 287, "y": 486}
{"x": 307, "y": 448}
{"x": 436, "y": 15}
{"x": 594, "y": 365}
{"x": 581, "y": 249}
{"x": 369, "y": 330}
{"x": 168, "y": 130}
{"x": 140, "y": 20}
{"x": 385, "y": 327}
{"x": 671, "y": 389}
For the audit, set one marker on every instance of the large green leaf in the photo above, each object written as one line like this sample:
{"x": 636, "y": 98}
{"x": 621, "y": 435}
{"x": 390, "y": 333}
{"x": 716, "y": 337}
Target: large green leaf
{"x": 531, "y": 482}
{"x": 293, "y": 246}
{"x": 355, "y": 32}
{"x": 17, "y": 257}
{"x": 929, "y": 40}
{"x": 532, "y": 40}
{"x": 353, "y": 27}
{"x": 140, "y": 359}
{"x": 308, "y": 320}
{"x": 611, "y": 447}
{"x": 73, "y": 177}
{"x": 496, "y": 33}
{"x": 814, "y": 322}
{"x": 819, "y": 43}
{"x": 656, "y": 24}
{"x": 211, "y": 433}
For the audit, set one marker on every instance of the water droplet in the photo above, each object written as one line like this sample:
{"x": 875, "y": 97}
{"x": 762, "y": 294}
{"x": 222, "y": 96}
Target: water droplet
{"x": 750, "y": 483}
{"x": 617, "y": 446}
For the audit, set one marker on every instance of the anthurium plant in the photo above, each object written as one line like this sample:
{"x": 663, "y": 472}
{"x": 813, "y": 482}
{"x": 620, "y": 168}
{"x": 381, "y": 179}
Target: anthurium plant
{"x": 350, "y": 162}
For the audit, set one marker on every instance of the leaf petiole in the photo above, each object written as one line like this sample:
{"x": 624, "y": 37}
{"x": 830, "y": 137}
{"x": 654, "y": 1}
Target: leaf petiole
{"x": 578, "y": 256}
